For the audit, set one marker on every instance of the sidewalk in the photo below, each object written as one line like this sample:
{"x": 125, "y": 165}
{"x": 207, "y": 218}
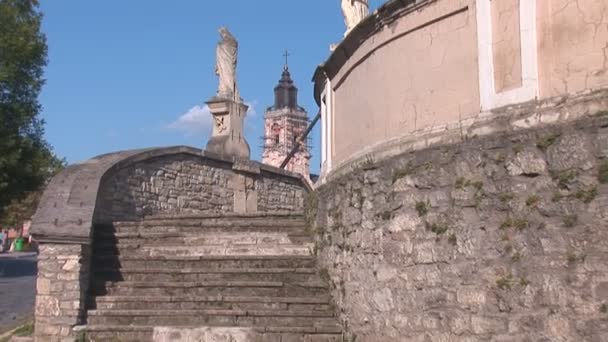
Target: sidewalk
{"x": 17, "y": 255}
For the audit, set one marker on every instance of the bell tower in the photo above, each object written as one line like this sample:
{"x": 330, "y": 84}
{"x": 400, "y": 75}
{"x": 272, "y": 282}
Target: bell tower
{"x": 284, "y": 123}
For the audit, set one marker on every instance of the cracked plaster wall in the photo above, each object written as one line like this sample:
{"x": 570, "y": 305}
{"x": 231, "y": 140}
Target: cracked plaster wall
{"x": 506, "y": 45}
{"x": 573, "y": 46}
{"x": 421, "y": 71}
{"x": 395, "y": 89}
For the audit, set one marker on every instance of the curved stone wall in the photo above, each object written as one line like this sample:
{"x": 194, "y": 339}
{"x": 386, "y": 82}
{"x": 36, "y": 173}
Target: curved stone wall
{"x": 414, "y": 66}
{"x": 498, "y": 238}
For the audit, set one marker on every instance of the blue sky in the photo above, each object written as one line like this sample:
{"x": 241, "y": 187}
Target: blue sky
{"x": 130, "y": 74}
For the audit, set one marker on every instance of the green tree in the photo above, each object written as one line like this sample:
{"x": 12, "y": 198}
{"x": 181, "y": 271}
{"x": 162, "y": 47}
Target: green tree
{"x": 26, "y": 159}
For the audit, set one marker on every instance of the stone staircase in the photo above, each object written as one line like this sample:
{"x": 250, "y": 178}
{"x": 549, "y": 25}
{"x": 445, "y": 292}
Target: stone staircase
{"x": 236, "y": 278}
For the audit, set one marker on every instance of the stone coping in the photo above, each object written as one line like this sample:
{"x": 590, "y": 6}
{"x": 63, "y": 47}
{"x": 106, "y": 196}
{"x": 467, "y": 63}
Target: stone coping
{"x": 66, "y": 209}
{"x": 508, "y": 119}
{"x": 383, "y": 16}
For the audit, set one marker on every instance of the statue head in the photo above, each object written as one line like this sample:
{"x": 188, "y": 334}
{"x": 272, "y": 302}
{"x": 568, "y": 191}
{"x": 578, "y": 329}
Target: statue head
{"x": 225, "y": 34}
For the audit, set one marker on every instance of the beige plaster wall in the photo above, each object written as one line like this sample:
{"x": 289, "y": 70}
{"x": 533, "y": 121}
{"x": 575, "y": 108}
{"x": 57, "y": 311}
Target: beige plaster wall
{"x": 506, "y": 45}
{"x": 395, "y": 89}
{"x": 422, "y": 71}
{"x": 573, "y": 46}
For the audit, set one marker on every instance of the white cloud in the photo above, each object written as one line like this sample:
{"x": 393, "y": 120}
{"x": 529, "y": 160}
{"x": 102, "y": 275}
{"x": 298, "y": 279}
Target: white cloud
{"x": 195, "y": 121}
{"x": 198, "y": 120}
{"x": 251, "y": 112}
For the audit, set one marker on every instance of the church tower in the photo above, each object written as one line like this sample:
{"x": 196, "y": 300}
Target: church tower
{"x": 284, "y": 122}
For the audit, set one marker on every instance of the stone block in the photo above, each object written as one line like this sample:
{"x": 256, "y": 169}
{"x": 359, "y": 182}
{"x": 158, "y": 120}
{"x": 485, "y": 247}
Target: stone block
{"x": 240, "y": 201}
{"x": 47, "y": 306}
{"x": 71, "y": 265}
{"x": 383, "y": 300}
{"x": 529, "y": 162}
{"x": 293, "y": 337}
{"x": 488, "y": 325}
{"x": 323, "y": 338}
{"x": 43, "y": 286}
{"x": 252, "y": 202}
{"x": 471, "y": 297}
{"x": 572, "y": 151}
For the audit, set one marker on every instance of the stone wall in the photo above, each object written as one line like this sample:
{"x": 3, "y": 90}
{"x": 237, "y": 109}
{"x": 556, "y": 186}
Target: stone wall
{"x": 62, "y": 284}
{"x": 500, "y": 238}
{"x": 188, "y": 184}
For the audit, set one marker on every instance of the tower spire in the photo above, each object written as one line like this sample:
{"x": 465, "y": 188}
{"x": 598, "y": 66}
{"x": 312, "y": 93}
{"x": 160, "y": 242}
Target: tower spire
{"x": 286, "y": 55}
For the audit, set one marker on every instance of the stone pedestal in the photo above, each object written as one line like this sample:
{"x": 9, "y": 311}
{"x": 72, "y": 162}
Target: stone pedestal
{"x": 62, "y": 286}
{"x": 228, "y": 138}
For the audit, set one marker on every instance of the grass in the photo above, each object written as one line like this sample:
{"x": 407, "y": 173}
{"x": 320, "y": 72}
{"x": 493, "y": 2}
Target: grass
{"x": 506, "y": 197}
{"x": 533, "y": 200}
{"x": 453, "y": 240}
{"x": 587, "y": 196}
{"x": 477, "y": 185}
{"x": 603, "y": 174}
{"x": 565, "y": 178}
{"x": 369, "y": 164}
{"x": 571, "y": 257}
{"x": 570, "y": 221}
{"x": 461, "y": 183}
{"x": 500, "y": 158}
{"x": 557, "y": 196}
{"x": 422, "y": 208}
{"x": 521, "y": 224}
{"x": 505, "y": 283}
{"x": 544, "y": 142}
{"x": 507, "y": 223}
{"x": 437, "y": 228}
{"x": 24, "y": 330}
{"x": 517, "y": 148}
{"x": 516, "y": 257}
{"x": 403, "y": 172}
{"x": 82, "y": 337}
{"x": 601, "y": 113}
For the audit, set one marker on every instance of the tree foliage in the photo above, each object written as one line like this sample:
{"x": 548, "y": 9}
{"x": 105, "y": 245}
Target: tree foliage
{"x": 26, "y": 159}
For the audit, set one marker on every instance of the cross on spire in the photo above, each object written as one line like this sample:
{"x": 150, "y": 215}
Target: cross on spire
{"x": 286, "y": 55}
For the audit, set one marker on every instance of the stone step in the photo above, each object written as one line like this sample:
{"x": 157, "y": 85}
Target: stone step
{"x": 320, "y": 303}
{"x": 222, "y": 223}
{"x": 293, "y": 275}
{"x": 210, "y": 288}
{"x": 200, "y": 239}
{"x": 203, "y": 262}
{"x": 194, "y": 251}
{"x": 329, "y": 333}
{"x": 287, "y": 250}
{"x": 235, "y": 318}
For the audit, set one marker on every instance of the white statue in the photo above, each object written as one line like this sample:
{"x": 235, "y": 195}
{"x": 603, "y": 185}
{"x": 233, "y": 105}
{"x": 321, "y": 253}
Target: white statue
{"x": 354, "y": 11}
{"x": 225, "y": 67}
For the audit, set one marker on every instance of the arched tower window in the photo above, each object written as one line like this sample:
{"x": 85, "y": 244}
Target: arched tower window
{"x": 276, "y": 133}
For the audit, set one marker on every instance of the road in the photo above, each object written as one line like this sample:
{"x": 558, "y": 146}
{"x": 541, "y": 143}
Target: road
{"x": 17, "y": 288}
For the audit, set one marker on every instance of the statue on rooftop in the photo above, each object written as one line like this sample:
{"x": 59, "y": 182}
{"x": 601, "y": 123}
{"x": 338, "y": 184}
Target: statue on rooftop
{"x": 225, "y": 67}
{"x": 354, "y": 11}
